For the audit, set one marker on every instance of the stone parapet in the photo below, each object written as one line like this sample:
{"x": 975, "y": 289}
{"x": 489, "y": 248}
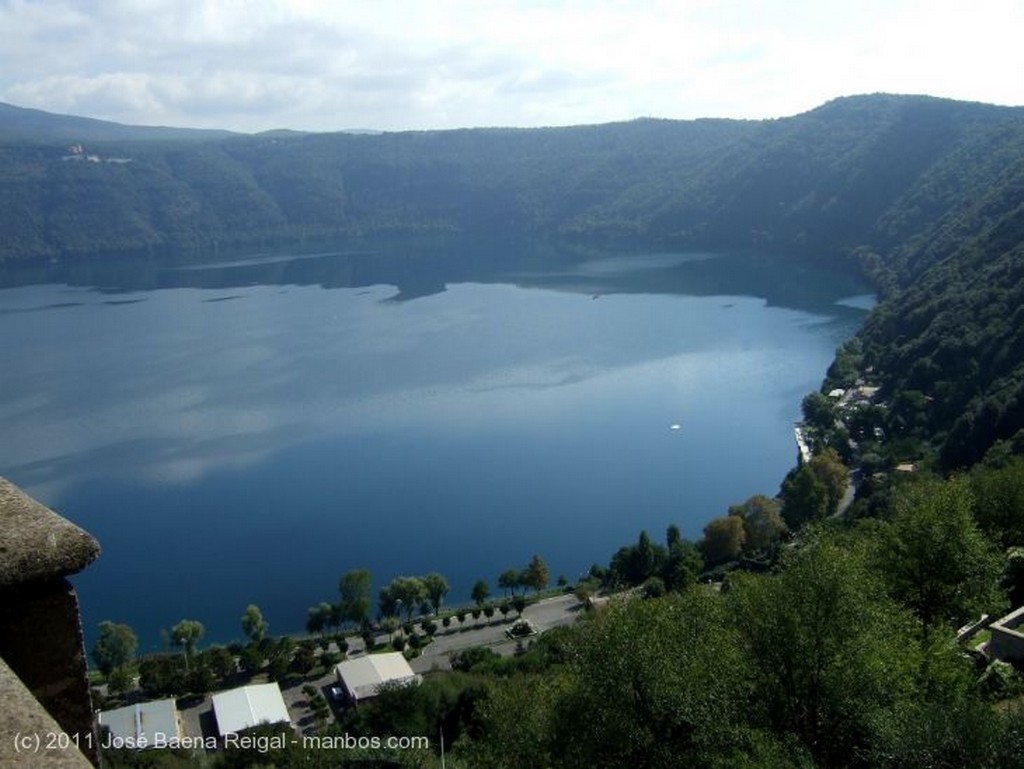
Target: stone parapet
{"x": 45, "y": 691}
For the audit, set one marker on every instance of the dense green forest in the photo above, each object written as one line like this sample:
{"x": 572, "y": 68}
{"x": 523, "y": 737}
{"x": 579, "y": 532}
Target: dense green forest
{"x": 827, "y": 639}
{"x": 875, "y": 173}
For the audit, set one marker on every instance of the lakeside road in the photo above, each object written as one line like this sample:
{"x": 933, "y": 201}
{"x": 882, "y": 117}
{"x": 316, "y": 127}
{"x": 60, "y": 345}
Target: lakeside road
{"x": 197, "y": 718}
{"x": 543, "y": 615}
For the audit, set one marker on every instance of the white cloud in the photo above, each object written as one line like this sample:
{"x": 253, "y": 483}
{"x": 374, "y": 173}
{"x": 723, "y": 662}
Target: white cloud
{"x": 399, "y": 64}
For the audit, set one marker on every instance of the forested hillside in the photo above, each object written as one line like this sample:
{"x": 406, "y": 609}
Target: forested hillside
{"x": 875, "y": 172}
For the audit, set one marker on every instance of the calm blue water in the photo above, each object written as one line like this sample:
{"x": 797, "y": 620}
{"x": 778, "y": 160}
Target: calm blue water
{"x": 246, "y": 431}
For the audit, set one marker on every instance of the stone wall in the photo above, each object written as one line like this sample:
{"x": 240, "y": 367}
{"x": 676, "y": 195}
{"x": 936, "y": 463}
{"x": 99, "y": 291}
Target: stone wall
{"x": 1006, "y": 642}
{"x": 42, "y": 658}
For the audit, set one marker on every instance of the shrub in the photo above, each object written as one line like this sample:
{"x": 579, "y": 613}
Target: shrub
{"x": 1000, "y": 681}
{"x": 654, "y": 587}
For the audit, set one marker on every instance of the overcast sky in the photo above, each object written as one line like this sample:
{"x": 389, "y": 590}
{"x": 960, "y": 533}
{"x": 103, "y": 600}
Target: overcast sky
{"x": 252, "y": 65}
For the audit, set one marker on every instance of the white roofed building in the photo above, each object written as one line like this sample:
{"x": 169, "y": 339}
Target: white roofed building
{"x": 143, "y": 724}
{"x": 249, "y": 706}
{"x": 363, "y": 677}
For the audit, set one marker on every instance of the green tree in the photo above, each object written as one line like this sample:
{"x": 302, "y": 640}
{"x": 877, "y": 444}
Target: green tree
{"x": 387, "y": 602}
{"x": 723, "y": 539}
{"x": 508, "y": 581}
{"x": 672, "y": 536}
{"x": 536, "y": 574}
{"x": 634, "y": 564}
{"x": 936, "y": 560}
{"x": 115, "y": 647}
{"x": 1012, "y": 578}
{"x": 163, "y": 675}
{"x": 830, "y": 654}
{"x": 481, "y": 592}
{"x": 436, "y": 588}
{"x": 407, "y": 593}
{"x": 763, "y": 526}
{"x": 829, "y": 469}
{"x": 119, "y": 681}
{"x": 652, "y": 684}
{"x": 818, "y": 411}
{"x": 354, "y": 588}
{"x": 253, "y": 624}
{"x": 318, "y": 619}
{"x": 999, "y": 501}
{"x": 221, "y": 662}
{"x": 683, "y": 565}
{"x": 186, "y": 634}
{"x": 804, "y": 498}
{"x": 251, "y": 659}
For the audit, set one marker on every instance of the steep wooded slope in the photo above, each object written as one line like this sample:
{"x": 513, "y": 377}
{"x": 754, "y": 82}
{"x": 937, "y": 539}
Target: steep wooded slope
{"x": 874, "y": 172}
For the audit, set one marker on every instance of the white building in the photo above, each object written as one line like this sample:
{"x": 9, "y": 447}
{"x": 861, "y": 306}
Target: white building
{"x": 364, "y": 676}
{"x": 143, "y": 724}
{"x": 249, "y": 706}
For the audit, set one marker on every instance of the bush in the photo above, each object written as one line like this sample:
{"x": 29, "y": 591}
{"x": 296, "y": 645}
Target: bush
{"x": 398, "y": 644}
{"x": 250, "y": 660}
{"x": 329, "y": 660}
{"x": 466, "y": 659}
{"x": 1000, "y": 681}
{"x": 654, "y": 587}
{"x": 304, "y": 660}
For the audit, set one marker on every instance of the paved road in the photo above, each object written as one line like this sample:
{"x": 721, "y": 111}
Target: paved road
{"x": 551, "y": 612}
{"x": 543, "y": 615}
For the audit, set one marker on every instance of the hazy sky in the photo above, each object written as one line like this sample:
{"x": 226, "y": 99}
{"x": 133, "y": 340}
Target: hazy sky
{"x": 252, "y": 65}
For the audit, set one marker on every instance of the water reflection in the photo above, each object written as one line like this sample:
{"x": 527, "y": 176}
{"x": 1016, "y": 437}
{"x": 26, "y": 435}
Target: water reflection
{"x": 426, "y": 266}
{"x": 459, "y": 393}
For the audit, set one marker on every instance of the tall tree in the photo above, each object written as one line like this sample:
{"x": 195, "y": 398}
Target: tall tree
{"x": 804, "y": 498}
{"x": 318, "y": 619}
{"x": 186, "y": 634}
{"x": 407, "y": 593}
{"x": 508, "y": 581}
{"x": 829, "y": 469}
{"x": 115, "y": 647}
{"x": 354, "y": 589}
{"x": 672, "y": 535}
{"x": 480, "y": 593}
{"x": 723, "y": 539}
{"x": 651, "y": 684}
{"x": 253, "y": 624}
{"x": 536, "y": 574}
{"x": 763, "y": 526}
{"x": 830, "y": 653}
{"x": 683, "y": 565}
{"x": 436, "y": 587}
{"x": 935, "y": 558}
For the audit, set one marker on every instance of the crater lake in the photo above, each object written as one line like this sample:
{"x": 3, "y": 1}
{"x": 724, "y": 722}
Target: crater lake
{"x": 245, "y": 428}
